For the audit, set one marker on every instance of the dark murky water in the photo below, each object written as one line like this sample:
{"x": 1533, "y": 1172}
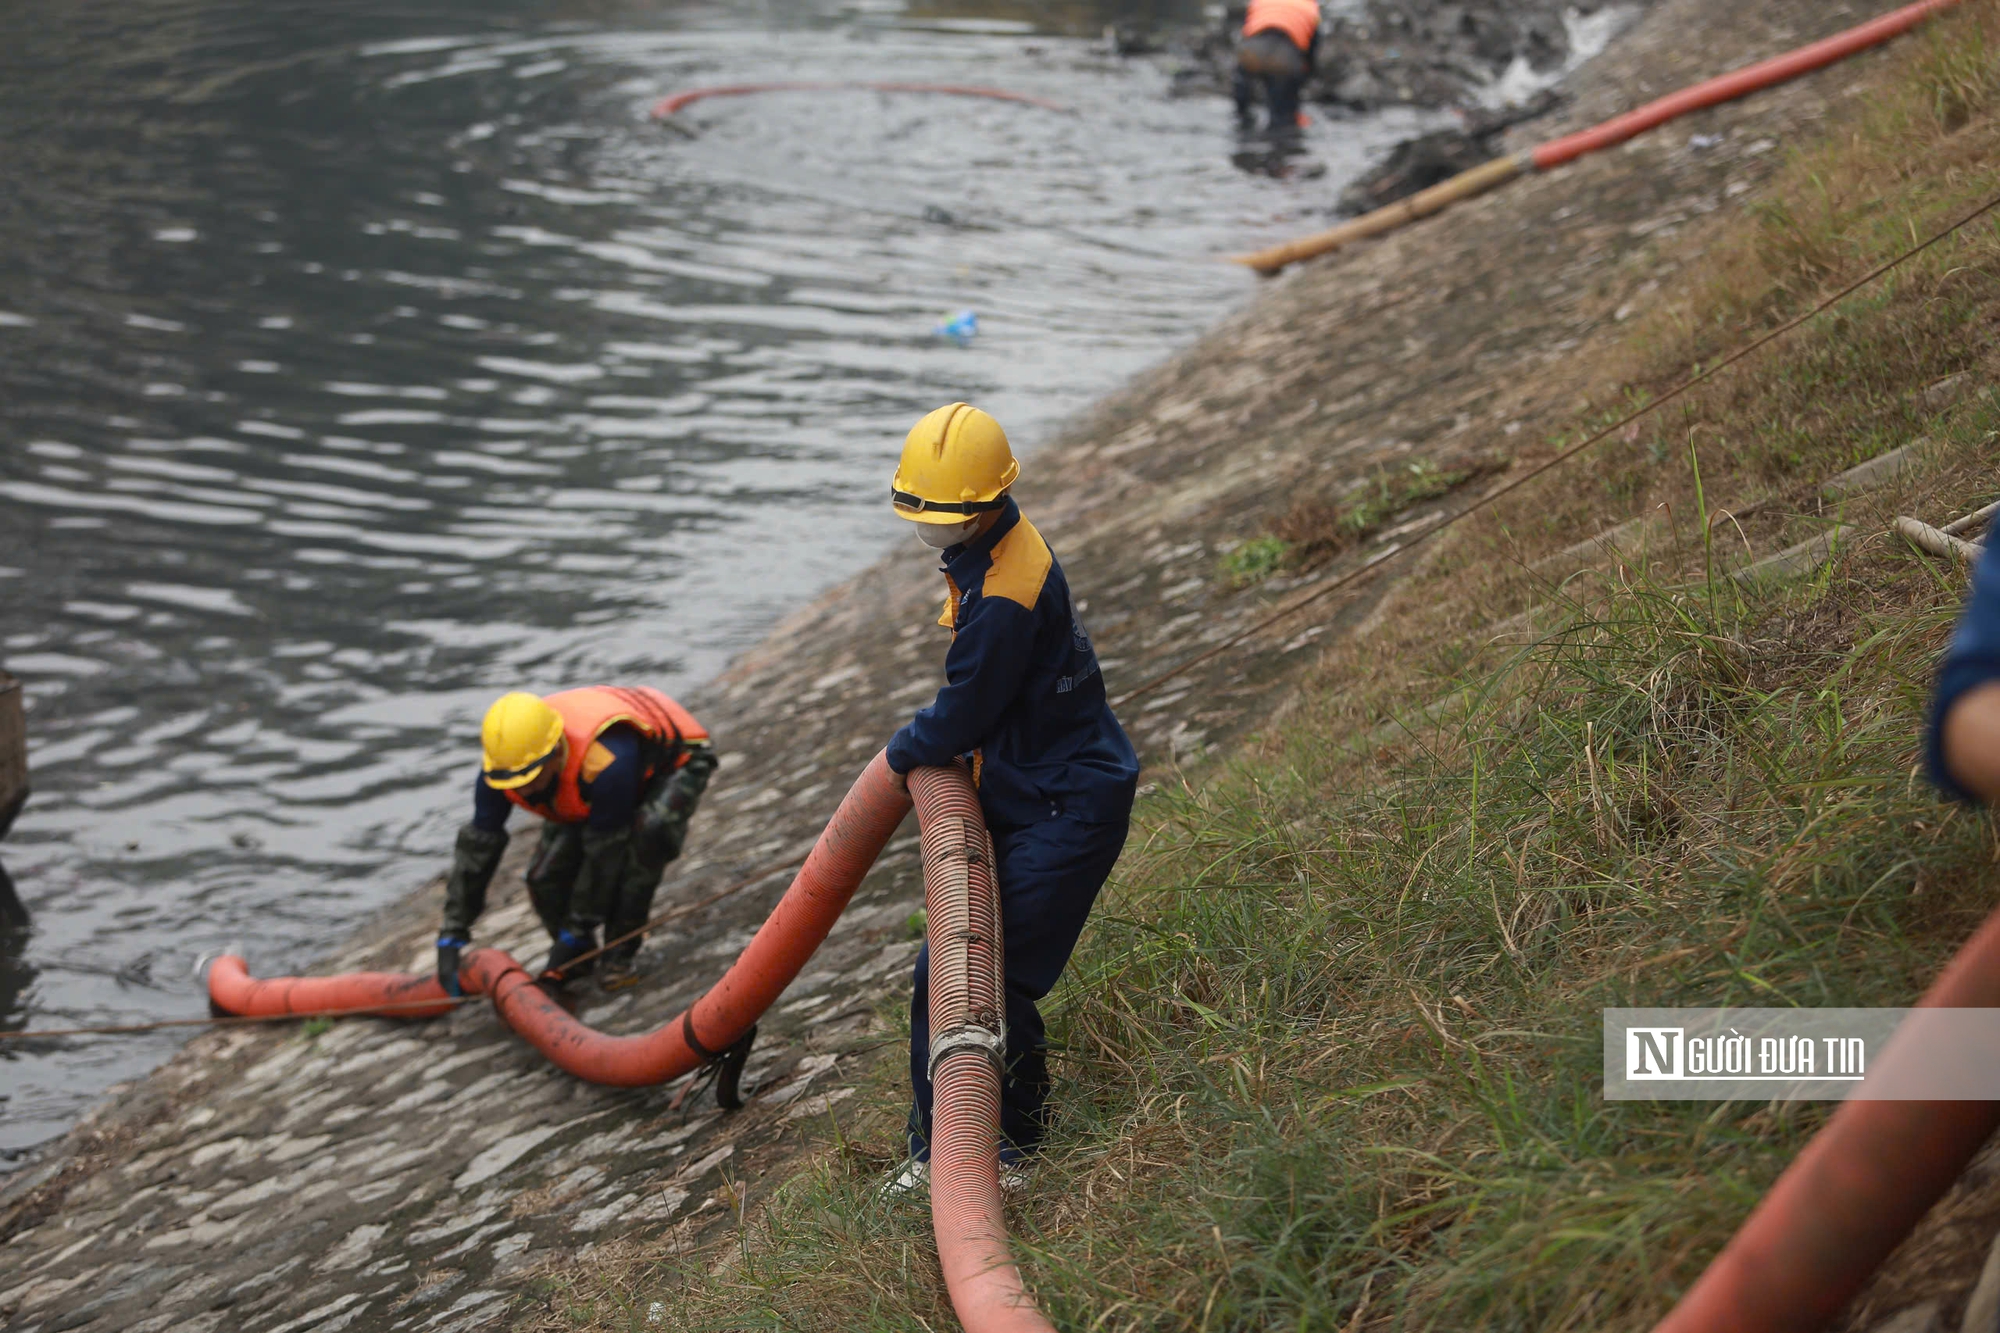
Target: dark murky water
{"x": 360, "y": 361}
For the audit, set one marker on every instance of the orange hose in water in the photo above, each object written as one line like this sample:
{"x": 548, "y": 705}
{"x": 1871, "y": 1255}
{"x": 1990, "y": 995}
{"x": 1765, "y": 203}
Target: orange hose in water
{"x": 667, "y": 106}
{"x": 968, "y": 1045}
{"x": 1851, "y": 1197}
{"x": 847, "y": 848}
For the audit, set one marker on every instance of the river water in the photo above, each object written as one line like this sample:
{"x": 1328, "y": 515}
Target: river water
{"x": 361, "y": 361}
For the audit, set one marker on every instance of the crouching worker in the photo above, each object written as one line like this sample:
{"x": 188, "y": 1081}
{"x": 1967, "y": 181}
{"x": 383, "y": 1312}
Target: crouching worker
{"x": 1024, "y": 702}
{"x": 617, "y": 774}
{"x": 1279, "y": 47}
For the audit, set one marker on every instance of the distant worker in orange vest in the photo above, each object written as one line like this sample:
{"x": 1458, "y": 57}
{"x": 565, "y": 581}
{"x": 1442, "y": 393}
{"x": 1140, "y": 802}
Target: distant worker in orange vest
{"x": 617, "y": 773}
{"x": 1280, "y": 43}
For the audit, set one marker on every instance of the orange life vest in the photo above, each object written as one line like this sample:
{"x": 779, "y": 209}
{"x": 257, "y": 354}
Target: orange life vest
{"x": 1297, "y": 19}
{"x": 591, "y": 711}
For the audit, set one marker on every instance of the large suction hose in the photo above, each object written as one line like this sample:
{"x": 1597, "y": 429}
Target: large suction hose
{"x": 1488, "y": 175}
{"x": 967, "y": 1011}
{"x": 968, "y": 1008}
{"x": 853, "y": 838}
{"x": 1859, "y": 1187}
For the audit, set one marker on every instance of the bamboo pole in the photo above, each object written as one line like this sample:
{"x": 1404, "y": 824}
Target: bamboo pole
{"x": 1465, "y": 185}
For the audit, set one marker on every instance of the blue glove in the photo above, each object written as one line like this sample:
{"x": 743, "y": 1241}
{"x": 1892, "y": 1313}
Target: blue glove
{"x": 449, "y": 946}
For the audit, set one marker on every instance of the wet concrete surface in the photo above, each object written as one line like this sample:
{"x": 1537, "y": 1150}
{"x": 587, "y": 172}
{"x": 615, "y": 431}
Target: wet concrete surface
{"x": 423, "y": 1175}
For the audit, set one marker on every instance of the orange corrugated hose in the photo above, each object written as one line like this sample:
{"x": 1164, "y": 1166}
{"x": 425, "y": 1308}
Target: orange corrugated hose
{"x": 1852, "y": 1195}
{"x": 968, "y": 1010}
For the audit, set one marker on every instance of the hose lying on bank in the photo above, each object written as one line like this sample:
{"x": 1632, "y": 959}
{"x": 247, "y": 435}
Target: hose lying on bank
{"x": 667, "y": 106}
{"x": 1857, "y": 1190}
{"x": 848, "y": 846}
{"x": 1489, "y": 175}
{"x": 968, "y": 1008}
{"x": 967, "y": 1011}
{"x": 232, "y": 991}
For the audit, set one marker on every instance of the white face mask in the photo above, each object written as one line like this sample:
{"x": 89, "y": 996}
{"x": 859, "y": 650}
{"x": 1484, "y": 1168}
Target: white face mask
{"x": 941, "y": 535}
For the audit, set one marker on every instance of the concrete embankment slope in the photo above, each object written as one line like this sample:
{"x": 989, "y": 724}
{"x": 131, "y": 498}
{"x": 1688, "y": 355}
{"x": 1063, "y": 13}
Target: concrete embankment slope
{"x": 427, "y": 1175}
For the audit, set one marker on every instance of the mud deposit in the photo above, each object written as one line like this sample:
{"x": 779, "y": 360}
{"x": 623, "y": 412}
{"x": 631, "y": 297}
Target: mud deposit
{"x": 425, "y": 1175}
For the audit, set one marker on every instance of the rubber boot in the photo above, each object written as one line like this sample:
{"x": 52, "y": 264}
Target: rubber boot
{"x": 617, "y": 967}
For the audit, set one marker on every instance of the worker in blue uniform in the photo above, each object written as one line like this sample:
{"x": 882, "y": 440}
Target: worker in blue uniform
{"x": 1963, "y": 741}
{"x": 1024, "y": 704}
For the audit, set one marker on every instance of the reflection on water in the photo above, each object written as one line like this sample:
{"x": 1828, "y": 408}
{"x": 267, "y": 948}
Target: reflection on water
{"x": 359, "y": 362}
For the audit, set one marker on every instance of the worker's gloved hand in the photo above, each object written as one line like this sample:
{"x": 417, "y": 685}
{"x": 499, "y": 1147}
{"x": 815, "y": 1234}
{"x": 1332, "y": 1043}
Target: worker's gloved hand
{"x": 569, "y": 946}
{"x": 449, "y": 946}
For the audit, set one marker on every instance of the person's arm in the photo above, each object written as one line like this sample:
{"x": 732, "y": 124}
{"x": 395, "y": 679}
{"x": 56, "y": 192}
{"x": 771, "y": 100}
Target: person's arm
{"x": 474, "y": 858}
{"x": 983, "y": 671}
{"x": 1971, "y": 742}
{"x": 1963, "y": 746}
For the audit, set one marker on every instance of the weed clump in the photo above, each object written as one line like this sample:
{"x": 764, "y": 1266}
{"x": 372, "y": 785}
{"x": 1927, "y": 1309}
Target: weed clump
{"x": 1318, "y": 528}
{"x": 1255, "y": 560}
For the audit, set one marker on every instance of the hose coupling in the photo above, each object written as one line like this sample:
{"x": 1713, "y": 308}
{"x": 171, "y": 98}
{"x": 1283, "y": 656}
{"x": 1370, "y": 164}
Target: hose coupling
{"x": 968, "y": 1038}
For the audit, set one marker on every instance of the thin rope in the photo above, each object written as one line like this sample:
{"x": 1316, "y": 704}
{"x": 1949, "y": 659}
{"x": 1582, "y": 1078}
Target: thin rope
{"x": 1491, "y": 496}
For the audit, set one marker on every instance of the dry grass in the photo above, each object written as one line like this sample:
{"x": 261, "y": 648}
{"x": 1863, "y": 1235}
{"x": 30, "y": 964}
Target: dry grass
{"x": 1330, "y": 1049}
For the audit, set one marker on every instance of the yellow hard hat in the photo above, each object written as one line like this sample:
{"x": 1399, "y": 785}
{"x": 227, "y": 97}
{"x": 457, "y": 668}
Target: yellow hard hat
{"x": 519, "y": 735}
{"x": 955, "y": 463}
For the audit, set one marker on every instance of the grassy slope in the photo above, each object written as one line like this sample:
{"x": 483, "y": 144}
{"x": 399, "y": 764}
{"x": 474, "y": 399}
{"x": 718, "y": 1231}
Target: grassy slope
{"x": 1331, "y": 1045}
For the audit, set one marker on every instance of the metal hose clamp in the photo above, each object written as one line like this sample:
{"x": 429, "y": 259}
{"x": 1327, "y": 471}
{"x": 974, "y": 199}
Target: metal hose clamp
{"x": 969, "y": 1038}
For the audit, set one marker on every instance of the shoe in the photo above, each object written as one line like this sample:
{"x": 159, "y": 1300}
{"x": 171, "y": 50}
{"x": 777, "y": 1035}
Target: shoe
{"x": 616, "y": 972}
{"x": 563, "y": 966}
{"x": 1015, "y": 1169}
{"x": 914, "y": 1176}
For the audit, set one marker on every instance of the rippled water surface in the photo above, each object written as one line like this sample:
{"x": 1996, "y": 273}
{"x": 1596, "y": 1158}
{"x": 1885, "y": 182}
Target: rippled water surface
{"x": 360, "y": 361}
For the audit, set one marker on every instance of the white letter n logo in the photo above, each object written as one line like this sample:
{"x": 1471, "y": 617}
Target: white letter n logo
{"x": 1652, "y": 1053}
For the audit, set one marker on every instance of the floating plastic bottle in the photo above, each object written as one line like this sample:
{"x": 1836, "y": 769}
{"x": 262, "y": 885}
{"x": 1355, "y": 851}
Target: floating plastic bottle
{"x": 961, "y": 328}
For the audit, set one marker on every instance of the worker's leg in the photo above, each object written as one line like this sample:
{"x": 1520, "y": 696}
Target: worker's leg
{"x": 552, "y": 873}
{"x": 664, "y": 813}
{"x": 1244, "y": 92}
{"x": 1282, "y": 92}
{"x": 1050, "y": 874}
{"x": 920, "y": 1056}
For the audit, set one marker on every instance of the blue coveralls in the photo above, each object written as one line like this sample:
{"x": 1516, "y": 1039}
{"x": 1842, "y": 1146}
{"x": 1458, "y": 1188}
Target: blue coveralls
{"x": 1973, "y": 659}
{"x": 1024, "y": 700}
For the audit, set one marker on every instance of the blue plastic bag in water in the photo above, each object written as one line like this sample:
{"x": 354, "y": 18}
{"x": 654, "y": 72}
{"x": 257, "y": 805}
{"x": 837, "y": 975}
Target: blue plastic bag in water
{"x": 960, "y": 328}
